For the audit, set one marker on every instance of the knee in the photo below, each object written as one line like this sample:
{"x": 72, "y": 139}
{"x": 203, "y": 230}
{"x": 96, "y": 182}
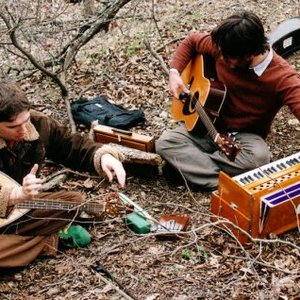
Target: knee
{"x": 169, "y": 142}
{"x": 161, "y": 144}
{"x": 74, "y": 197}
{"x": 257, "y": 158}
{"x": 262, "y": 157}
{"x": 71, "y": 196}
{"x": 255, "y": 151}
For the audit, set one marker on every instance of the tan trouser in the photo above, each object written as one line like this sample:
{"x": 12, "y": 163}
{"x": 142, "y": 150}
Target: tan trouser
{"x": 199, "y": 160}
{"x": 35, "y": 233}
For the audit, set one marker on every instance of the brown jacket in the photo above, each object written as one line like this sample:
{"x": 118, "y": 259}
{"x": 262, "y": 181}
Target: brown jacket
{"x": 47, "y": 138}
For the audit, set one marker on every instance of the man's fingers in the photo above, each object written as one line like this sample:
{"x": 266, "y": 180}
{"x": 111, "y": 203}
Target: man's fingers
{"x": 108, "y": 173}
{"x": 32, "y": 189}
{"x": 31, "y": 179}
{"x": 113, "y": 168}
{"x": 176, "y": 87}
{"x": 118, "y": 172}
{"x": 31, "y": 185}
{"x": 175, "y": 93}
{"x": 183, "y": 88}
{"x": 121, "y": 177}
{"x": 34, "y": 169}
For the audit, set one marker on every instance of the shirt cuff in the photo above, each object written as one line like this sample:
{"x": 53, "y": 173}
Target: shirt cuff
{"x": 173, "y": 70}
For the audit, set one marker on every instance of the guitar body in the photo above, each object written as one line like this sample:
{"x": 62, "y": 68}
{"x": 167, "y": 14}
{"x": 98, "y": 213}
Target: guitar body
{"x": 15, "y": 213}
{"x": 209, "y": 92}
{"x": 200, "y": 108}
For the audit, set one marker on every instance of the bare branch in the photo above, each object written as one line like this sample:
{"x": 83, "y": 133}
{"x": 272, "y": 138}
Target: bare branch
{"x": 12, "y": 34}
{"x": 157, "y": 56}
{"x": 65, "y": 56}
{"x": 101, "y": 23}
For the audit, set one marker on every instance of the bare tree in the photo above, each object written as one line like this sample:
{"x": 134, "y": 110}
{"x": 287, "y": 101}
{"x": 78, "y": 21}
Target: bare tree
{"x": 28, "y": 30}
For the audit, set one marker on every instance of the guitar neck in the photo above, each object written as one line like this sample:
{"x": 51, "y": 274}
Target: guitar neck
{"x": 206, "y": 120}
{"x": 60, "y": 205}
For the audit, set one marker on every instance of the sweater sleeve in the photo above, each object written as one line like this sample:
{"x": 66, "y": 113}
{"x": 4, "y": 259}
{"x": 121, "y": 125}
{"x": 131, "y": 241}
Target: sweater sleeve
{"x": 193, "y": 44}
{"x": 288, "y": 85}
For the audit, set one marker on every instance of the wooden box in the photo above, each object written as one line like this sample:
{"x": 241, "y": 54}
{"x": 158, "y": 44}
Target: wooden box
{"x": 105, "y": 134}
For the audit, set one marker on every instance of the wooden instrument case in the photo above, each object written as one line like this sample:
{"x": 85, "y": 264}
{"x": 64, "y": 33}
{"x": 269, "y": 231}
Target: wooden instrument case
{"x": 270, "y": 205}
{"x": 105, "y": 134}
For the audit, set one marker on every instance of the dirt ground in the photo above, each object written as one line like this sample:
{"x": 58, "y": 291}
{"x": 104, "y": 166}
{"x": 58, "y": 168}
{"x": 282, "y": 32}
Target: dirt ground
{"x": 206, "y": 262}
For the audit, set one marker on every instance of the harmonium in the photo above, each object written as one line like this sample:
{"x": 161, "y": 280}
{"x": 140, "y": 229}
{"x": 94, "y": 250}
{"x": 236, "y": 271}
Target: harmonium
{"x": 260, "y": 202}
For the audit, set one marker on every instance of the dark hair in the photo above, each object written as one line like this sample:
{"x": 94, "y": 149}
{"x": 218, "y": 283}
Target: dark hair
{"x": 12, "y": 101}
{"x": 240, "y": 35}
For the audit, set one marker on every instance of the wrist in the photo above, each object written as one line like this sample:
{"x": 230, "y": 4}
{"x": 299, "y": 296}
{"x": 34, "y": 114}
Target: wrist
{"x": 175, "y": 71}
{"x": 105, "y": 149}
{"x": 16, "y": 195}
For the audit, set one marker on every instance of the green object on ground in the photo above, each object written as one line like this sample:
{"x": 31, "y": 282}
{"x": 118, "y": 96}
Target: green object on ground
{"x": 187, "y": 254}
{"x": 74, "y": 236}
{"x": 137, "y": 223}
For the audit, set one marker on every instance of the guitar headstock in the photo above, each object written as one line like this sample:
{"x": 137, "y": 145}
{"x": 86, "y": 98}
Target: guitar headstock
{"x": 228, "y": 146}
{"x": 113, "y": 205}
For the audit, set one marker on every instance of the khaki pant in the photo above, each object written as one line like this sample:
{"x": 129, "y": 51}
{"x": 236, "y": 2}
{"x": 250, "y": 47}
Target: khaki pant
{"x": 199, "y": 160}
{"x": 35, "y": 233}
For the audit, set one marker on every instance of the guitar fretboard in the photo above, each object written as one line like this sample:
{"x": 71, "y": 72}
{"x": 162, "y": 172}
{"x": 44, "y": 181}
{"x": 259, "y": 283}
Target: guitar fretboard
{"x": 60, "y": 205}
{"x": 205, "y": 119}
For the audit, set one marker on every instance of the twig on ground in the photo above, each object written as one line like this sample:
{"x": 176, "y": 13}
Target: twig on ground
{"x": 157, "y": 56}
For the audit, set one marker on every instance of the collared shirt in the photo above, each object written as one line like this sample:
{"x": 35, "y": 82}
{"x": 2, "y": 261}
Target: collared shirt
{"x": 260, "y": 68}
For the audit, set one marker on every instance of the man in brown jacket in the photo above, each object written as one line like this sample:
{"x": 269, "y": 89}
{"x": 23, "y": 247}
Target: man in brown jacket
{"x": 27, "y": 137}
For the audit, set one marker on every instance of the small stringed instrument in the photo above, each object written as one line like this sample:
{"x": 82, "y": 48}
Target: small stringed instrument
{"x": 202, "y": 105}
{"x": 111, "y": 204}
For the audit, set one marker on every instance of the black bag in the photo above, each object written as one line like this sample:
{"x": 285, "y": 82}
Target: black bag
{"x": 86, "y": 111}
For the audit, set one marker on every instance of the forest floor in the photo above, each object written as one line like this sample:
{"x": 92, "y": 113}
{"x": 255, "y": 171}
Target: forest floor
{"x": 204, "y": 263}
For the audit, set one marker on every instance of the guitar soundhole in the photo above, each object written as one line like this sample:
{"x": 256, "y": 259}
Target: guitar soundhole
{"x": 189, "y": 102}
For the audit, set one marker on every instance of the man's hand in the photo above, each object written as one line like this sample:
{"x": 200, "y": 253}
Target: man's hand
{"x": 30, "y": 187}
{"x": 113, "y": 167}
{"x": 176, "y": 84}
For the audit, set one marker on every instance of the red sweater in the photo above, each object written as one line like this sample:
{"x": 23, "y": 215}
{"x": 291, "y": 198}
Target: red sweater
{"x": 252, "y": 101}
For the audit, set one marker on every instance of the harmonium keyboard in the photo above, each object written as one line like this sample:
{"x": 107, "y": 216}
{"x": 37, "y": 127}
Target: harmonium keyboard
{"x": 260, "y": 202}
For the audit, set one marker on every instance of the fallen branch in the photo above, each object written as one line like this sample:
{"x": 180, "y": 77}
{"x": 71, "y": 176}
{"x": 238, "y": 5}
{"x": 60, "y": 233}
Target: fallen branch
{"x": 50, "y": 184}
{"x": 58, "y": 177}
{"x": 137, "y": 156}
{"x": 157, "y": 56}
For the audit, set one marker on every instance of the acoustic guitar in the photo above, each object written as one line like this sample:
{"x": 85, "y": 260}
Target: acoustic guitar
{"x": 111, "y": 204}
{"x": 202, "y": 105}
